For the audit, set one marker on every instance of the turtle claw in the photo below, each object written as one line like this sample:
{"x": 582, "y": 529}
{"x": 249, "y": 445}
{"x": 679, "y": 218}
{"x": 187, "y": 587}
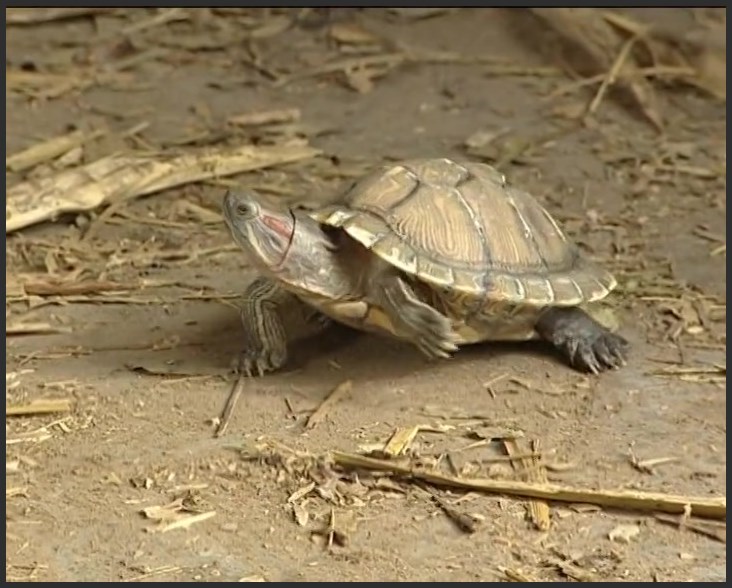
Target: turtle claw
{"x": 440, "y": 350}
{"x": 605, "y": 351}
{"x": 252, "y": 362}
{"x": 437, "y": 338}
{"x": 415, "y": 321}
{"x": 587, "y": 345}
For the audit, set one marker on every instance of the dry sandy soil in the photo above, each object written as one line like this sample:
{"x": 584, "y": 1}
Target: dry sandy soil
{"x": 146, "y": 366}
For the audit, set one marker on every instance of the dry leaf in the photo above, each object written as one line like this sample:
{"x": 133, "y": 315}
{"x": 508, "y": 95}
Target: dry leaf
{"x": 352, "y": 34}
{"x": 483, "y": 138}
{"x": 267, "y": 117}
{"x": 302, "y": 516}
{"x": 360, "y": 80}
{"x": 168, "y": 512}
{"x": 173, "y": 516}
{"x": 27, "y": 16}
{"x": 183, "y": 522}
{"x": 301, "y": 492}
{"x": 570, "y": 110}
{"x": 420, "y": 13}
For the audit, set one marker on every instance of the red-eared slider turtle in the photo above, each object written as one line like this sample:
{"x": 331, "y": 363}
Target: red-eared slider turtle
{"x": 432, "y": 251}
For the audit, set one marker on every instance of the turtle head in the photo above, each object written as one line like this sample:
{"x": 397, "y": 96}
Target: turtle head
{"x": 263, "y": 232}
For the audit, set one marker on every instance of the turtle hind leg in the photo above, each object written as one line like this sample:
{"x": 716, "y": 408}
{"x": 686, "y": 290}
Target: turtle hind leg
{"x": 584, "y": 342}
{"x": 430, "y": 330}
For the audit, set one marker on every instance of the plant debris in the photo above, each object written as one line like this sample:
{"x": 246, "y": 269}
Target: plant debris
{"x": 47, "y": 150}
{"x": 267, "y": 117}
{"x": 707, "y": 528}
{"x": 28, "y": 16}
{"x": 531, "y": 470}
{"x": 515, "y": 575}
{"x": 117, "y": 178}
{"x": 231, "y": 401}
{"x": 179, "y": 514}
{"x": 335, "y": 396}
{"x": 624, "y": 533}
{"x": 467, "y": 523}
{"x": 624, "y": 499}
{"x": 33, "y": 328}
{"x": 401, "y": 440}
{"x": 598, "y": 48}
{"x": 47, "y": 406}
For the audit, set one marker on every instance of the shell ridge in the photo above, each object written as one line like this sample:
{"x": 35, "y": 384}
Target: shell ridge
{"x": 528, "y": 233}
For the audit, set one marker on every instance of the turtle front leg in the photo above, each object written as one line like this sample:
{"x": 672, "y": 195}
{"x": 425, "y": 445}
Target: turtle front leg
{"x": 584, "y": 342}
{"x": 265, "y": 336}
{"x": 430, "y": 330}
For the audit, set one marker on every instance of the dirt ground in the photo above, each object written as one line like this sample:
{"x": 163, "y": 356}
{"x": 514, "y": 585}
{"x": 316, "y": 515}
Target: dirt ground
{"x": 146, "y": 367}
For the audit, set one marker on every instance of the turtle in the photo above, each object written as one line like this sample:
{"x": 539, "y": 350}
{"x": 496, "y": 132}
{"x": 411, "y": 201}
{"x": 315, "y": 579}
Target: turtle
{"x": 436, "y": 252}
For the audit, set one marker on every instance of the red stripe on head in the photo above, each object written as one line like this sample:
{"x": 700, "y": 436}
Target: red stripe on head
{"x": 279, "y": 225}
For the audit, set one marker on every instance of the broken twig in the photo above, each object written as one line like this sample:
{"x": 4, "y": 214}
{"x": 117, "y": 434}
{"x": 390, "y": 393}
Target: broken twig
{"x": 320, "y": 413}
{"x": 627, "y": 499}
{"x": 39, "y": 407}
{"x": 231, "y": 401}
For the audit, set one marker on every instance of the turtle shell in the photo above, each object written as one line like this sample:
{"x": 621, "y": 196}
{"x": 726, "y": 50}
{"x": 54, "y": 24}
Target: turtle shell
{"x": 459, "y": 227}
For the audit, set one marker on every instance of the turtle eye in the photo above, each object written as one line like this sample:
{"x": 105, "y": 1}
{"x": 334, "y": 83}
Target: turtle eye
{"x": 246, "y": 210}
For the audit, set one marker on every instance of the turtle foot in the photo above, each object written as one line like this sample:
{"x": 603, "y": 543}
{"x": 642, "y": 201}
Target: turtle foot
{"x": 253, "y": 362}
{"x": 585, "y": 343}
{"x": 418, "y": 322}
{"x": 435, "y": 337}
